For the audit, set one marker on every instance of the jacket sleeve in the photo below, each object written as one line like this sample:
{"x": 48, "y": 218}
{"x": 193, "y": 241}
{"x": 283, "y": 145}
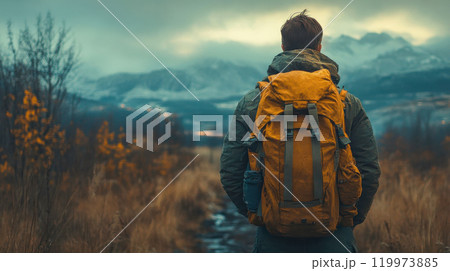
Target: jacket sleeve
{"x": 365, "y": 152}
{"x": 233, "y": 162}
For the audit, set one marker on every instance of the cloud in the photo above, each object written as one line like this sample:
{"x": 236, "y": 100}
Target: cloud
{"x": 401, "y": 23}
{"x": 180, "y": 31}
{"x": 250, "y": 29}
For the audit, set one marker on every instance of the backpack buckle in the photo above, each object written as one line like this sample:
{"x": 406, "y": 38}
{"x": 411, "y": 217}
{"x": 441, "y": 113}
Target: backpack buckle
{"x": 290, "y": 133}
{"x": 342, "y": 139}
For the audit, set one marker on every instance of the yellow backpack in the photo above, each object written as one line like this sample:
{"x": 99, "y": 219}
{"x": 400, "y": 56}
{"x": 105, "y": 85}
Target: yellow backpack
{"x": 310, "y": 180}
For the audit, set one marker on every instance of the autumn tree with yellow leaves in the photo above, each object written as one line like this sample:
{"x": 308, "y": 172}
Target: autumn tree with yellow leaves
{"x": 50, "y": 164}
{"x": 33, "y": 77}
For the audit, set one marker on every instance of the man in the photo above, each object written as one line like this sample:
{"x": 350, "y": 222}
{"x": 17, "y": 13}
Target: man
{"x": 301, "y": 45}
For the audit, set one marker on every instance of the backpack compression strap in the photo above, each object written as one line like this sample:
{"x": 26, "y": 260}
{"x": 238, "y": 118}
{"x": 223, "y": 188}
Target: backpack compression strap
{"x": 316, "y": 155}
{"x": 288, "y": 161}
{"x": 288, "y": 154}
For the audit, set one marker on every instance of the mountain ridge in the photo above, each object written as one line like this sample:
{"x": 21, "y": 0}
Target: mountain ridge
{"x": 379, "y": 69}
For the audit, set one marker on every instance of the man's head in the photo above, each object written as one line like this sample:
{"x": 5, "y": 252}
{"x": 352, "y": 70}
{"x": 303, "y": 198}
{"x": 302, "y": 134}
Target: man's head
{"x": 299, "y": 31}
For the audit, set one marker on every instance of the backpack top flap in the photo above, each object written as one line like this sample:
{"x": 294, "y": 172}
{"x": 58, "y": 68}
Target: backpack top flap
{"x": 300, "y": 88}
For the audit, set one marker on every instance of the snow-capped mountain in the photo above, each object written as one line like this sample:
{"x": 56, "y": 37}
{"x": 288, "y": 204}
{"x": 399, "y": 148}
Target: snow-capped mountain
{"x": 209, "y": 79}
{"x": 351, "y": 53}
{"x": 381, "y": 70}
{"x": 380, "y": 54}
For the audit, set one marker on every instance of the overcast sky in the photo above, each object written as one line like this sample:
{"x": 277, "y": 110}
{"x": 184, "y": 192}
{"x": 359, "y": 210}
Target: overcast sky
{"x": 180, "y": 31}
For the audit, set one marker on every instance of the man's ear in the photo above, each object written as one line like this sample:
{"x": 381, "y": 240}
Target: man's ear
{"x": 319, "y": 48}
{"x": 282, "y": 47}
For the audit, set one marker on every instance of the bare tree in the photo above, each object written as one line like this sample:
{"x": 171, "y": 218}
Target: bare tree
{"x": 51, "y": 58}
{"x": 35, "y": 68}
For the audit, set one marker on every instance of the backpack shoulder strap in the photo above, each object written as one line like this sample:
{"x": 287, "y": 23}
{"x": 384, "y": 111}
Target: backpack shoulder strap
{"x": 343, "y": 94}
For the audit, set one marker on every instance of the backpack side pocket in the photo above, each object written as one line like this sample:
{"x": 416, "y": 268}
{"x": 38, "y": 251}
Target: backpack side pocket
{"x": 253, "y": 183}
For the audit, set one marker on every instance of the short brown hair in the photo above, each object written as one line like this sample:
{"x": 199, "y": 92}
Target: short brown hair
{"x": 299, "y": 31}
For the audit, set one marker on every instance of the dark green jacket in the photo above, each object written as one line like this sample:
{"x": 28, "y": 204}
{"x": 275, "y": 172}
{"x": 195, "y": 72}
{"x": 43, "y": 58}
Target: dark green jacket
{"x": 234, "y": 159}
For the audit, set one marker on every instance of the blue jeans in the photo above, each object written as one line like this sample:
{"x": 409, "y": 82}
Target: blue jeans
{"x": 266, "y": 242}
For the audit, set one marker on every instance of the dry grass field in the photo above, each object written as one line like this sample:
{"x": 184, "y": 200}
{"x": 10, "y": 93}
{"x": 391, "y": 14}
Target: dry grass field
{"x": 409, "y": 213}
{"x": 169, "y": 224}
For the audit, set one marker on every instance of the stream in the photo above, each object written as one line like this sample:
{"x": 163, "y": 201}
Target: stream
{"x": 228, "y": 231}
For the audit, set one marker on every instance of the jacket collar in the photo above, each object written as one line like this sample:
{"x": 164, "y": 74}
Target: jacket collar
{"x": 307, "y": 60}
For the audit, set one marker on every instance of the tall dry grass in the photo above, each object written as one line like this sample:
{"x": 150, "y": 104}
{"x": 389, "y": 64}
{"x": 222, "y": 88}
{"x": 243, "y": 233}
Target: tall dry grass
{"x": 171, "y": 223}
{"x": 409, "y": 213}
